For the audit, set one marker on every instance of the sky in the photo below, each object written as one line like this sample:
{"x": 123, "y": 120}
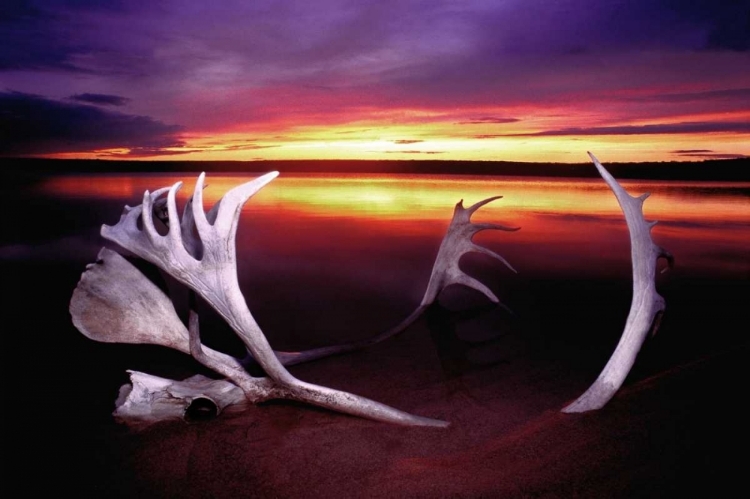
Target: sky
{"x": 515, "y": 80}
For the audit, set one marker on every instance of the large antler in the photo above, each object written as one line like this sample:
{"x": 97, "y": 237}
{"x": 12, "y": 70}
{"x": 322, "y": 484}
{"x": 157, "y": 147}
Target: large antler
{"x": 445, "y": 271}
{"x": 646, "y": 307}
{"x": 207, "y": 265}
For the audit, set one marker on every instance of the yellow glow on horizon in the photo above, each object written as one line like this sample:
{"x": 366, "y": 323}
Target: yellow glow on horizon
{"x": 524, "y": 149}
{"x": 427, "y": 135}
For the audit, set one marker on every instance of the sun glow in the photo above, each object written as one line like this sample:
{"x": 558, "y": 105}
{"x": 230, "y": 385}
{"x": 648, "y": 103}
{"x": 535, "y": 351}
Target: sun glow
{"x": 433, "y": 197}
{"x": 414, "y": 143}
{"x": 470, "y": 134}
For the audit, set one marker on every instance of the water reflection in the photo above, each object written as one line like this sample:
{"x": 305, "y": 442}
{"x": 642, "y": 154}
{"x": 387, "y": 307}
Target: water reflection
{"x": 325, "y": 259}
{"x": 568, "y": 226}
{"x": 429, "y": 197}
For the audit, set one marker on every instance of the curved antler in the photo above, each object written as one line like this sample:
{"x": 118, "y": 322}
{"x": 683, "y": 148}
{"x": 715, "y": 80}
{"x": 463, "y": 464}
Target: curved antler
{"x": 445, "y": 271}
{"x": 646, "y": 307}
{"x": 212, "y": 273}
{"x": 456, "y": 243}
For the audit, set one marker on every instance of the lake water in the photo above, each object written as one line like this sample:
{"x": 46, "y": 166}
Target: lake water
{"x": 567, "y": 227}
{"x": 324, "y": 257}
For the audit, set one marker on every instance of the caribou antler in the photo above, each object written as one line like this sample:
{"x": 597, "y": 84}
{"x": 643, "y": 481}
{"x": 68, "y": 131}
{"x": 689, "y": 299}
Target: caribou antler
{"x": 646, "y": 307}
{"x": 206, "y": 263}
{"x": 445, "y": 271}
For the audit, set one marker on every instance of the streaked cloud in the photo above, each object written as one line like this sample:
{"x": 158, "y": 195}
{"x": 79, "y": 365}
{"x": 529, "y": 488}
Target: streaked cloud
{"x": 706, "y": 154}
{"x": 246, "y": 147}
{"x": 100, "y": 99}
{"x": 725, "y": 94}
{"x": 663, "y": 128}
{"x": 488, "y": 120}
{"x": 32, "y": 124}
{"x": 145, "y": 152}
{"x": 414, "y": 152}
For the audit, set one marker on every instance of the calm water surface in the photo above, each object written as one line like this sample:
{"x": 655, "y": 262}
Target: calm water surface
{"x": 323, "y": 251}
{"x": 706, "y": 225}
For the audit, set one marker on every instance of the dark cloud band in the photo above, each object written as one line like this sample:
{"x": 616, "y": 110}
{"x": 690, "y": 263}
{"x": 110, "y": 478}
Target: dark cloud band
{"x": 663, "y": 128}
{"x": 488, "y": 120}
{"x": 100, "y": 99}
{"x": 31, "y": 124}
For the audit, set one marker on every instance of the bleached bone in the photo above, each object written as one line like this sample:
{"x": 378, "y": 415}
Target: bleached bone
{"x": 445, "y": 271}
{"x": 150, "y": 399}
{"x": 115, "y": 303}
{"x": 646, "y": 307}
{"x": 213, "y": 276}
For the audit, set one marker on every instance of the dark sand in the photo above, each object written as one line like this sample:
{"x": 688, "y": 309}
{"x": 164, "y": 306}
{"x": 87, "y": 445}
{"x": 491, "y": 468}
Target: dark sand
{"x": 676, "y": 429}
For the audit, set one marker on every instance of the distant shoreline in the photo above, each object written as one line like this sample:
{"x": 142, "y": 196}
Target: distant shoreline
{"x": 707, "y": 170}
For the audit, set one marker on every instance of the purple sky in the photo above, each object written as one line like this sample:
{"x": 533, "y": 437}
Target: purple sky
{"x": 513, "y": 79}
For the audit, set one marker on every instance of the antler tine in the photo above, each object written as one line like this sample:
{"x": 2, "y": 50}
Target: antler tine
{"x": 199, "y": 215}
{"x": 646, "y": 306}
{"x": 485, "y": 226}
{"x": 192, "y": 243}
{"x": 481, "y": 249}
{"x": 471, "y": 209}
{"x": 125, "y": 232}
{"x": 147, "y": 215}
{"x": 223, "y": 217}
{"x": 232, "y": 202}
{"x": 175, "y": 230}
{"x": 667, "y": 256}
{"x": 190, "y": 237}
{"x": 468, "y": 212}
{"x": 618, "y": 190}
{"x": 468, "y": 281}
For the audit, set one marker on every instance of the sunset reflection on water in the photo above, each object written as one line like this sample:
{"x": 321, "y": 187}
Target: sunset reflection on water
{"x": 567, "y": 224}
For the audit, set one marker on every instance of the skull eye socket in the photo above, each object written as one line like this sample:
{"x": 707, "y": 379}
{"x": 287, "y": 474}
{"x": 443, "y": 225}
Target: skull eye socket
{"x": 201, "y": 409}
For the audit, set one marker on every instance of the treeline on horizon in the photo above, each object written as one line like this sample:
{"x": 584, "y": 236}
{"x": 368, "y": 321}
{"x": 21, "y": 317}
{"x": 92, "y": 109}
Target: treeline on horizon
{"x": 713, "y": 169}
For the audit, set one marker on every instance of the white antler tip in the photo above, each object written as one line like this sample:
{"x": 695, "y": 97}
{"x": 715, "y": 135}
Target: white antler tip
{"x": 270, "y": 176}
{"x": 199, "y": 183}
